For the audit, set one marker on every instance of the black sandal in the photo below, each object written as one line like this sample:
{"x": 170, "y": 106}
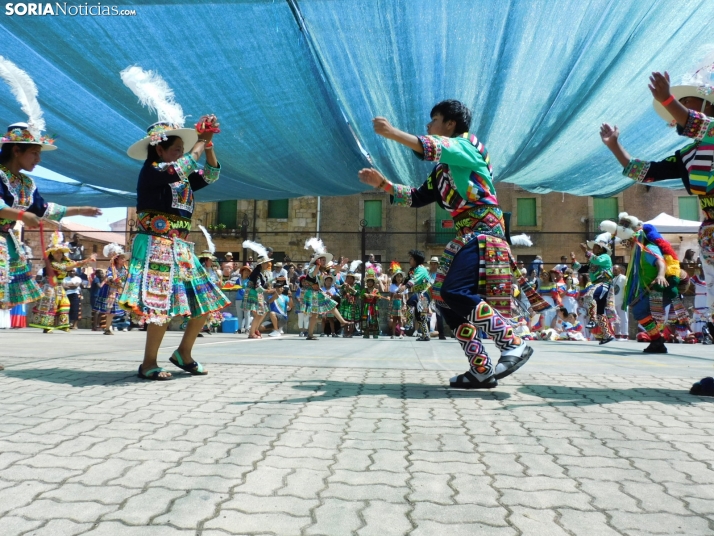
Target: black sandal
{"x": 313, "y": 338}
{"x": 467, "y": 380}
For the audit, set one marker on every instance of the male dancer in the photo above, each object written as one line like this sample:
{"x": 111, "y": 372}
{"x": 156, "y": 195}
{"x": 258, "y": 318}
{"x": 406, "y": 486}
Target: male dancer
{"x": 461, "y": 183}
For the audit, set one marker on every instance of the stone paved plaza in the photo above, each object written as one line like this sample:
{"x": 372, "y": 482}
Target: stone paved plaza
{"x": 361, "y": 438}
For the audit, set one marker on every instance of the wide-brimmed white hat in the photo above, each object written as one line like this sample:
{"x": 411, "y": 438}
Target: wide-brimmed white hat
{"x": 602, "y": 240}
{"x": 679, "y": 92}
{"x": 20, "y": 133}
{"x": 154, "y": 93}
{"x": 159, "y": 132}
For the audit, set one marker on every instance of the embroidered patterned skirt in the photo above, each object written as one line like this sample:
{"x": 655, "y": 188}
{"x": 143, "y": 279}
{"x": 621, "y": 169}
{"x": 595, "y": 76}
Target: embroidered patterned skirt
{"x": 349, "y": 311}
{"x": 396, "y": 308}
{"x": 254, "y": 301}
{"x": 107, "y": 300}
{"x": 165, "y": 280}
{"x": 52, "y": 311}
{"x": 16, "y": 284}
{"x": 317, "y": 302}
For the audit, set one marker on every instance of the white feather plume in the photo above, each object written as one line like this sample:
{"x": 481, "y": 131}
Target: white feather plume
{"x": 112, "y": 250}
{"x": 154, "y": 93}
{"x": 316, "y": 245}
{"x": 259, "y": 249}
{"x": 211, "y": 245}
{"x": 521, "y": 240}
{"x": 354, "y": 265}
{"x": 25, "y": 92}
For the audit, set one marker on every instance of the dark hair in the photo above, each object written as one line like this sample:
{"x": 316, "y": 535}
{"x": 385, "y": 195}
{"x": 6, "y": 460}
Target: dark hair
{"x": 453, "y": 110}
{"x": 153, "y": 155}
{"x": 563, "y": 310}
{"x": 417, "y": 255}
{"x": 6, "y": 152}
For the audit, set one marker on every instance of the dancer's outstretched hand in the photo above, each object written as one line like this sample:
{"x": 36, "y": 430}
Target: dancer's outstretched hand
{"x": 659, "y": 86}
{"x": 382, "y": 126}
{"x": 661, "y": 281}
{"x": 371, "y": 177}
{"x": 609, "y": 134}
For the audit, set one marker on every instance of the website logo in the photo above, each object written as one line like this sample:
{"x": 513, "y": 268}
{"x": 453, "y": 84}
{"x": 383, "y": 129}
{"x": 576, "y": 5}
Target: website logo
{"x": 49, "y": 9}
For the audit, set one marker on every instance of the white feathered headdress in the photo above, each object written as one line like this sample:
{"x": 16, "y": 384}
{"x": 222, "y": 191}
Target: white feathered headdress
{"x": 259, "y": 249}
{"x": 211, "y": 245}
{"x": 154, "y": 93}
{"x": 112, "y": 250}
{"x": 25, "y": 91}
{"x": 521, "y": 240}
{"x": 353, "y": 266}
{"x": 319, "y": 248}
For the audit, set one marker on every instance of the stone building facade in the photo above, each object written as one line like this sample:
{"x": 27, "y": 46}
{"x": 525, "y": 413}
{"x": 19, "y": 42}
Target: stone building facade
{"x": 557, "y": 223}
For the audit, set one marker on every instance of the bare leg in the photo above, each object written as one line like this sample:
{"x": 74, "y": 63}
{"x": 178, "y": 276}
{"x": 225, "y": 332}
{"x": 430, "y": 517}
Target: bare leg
{"x": 189, "y": 338}
{"x": 338, "y": 316}
{"x": 311, "y": 325}
{"x": 108, "y": 323}
{"x": 154, "y": 336}
{"x": 255, "y": 325}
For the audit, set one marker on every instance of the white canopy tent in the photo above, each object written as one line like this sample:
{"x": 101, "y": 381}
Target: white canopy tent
{"x": 669, "y": 224}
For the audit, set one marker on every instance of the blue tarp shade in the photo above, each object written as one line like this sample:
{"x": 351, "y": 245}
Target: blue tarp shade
{"x": 296, "y": 102}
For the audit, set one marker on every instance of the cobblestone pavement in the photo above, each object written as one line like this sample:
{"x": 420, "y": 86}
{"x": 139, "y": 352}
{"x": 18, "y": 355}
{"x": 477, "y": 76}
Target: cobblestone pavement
{"x": 85, "y": 447}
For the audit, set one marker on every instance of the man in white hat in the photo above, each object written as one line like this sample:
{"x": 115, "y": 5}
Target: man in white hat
{"x": 690, "y": 107}
{"x": 599, "y": 301}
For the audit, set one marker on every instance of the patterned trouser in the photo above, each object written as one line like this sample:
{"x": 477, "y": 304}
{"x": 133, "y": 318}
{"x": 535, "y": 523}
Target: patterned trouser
{"x": 468, "y": 313}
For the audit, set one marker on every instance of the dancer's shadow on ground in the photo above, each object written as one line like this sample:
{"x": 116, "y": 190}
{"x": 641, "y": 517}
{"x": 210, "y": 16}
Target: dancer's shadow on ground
{"x": 81, "y": 378}
{"x": 333, "y": 390}
{"x": 549, "y": 395}
{"x": 560, "y": 396}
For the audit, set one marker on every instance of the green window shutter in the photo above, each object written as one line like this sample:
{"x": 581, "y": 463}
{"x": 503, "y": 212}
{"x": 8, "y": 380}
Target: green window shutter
{"x": 373, "y": 213}
{"x": 689, "y": 207}
{"x": 527, "y": 216}
{"x": 605, "y": 209}
{"x": 278, "y": 208}
{"x": 444, "y": 229}
{"x": 227, "y": 213}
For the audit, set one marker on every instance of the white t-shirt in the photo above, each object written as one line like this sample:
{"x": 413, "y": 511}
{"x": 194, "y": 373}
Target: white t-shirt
{"x": 71, "y": 281}
{"x": 618, "y": 283}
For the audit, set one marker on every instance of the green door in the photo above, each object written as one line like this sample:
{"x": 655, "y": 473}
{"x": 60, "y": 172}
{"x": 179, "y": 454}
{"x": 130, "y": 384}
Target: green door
{"x": 444, "y": 230}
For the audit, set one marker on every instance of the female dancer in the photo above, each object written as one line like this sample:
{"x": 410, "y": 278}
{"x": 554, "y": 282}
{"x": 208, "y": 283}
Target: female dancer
{"x": 20, "y": 200}
{"x": 52, "y": 311}
{"x": 316, "y": 302}
{"x": 107, "y": 301}
{"x": 166, "y": 278}
{"x": 258, "y": 282}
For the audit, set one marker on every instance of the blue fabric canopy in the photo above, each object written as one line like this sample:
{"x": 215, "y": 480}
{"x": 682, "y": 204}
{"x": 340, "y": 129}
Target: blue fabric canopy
{"x": 296, "y": 84}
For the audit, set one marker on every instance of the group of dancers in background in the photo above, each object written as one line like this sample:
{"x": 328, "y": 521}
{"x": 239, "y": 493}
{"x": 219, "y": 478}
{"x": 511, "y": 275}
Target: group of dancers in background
{"x": 474, "y": 285}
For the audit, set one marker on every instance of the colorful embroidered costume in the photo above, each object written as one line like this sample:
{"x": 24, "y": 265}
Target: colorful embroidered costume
{"x": 52, "y": 311}
{"x": 254, "y": 298}
{"x": 599, "y": 302}
{"x": 315, "y": 300}
{"x": 370, "y": 311}
{"x": 418, "y": 283}
{"x": 349, "y": 306}
{"x": 107, "y": 300}
{"x": 19, "y": 192}
{"x": 166, "y": 278}
{"x": 693, "y": 165}
{"x": 473, "y": 285}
